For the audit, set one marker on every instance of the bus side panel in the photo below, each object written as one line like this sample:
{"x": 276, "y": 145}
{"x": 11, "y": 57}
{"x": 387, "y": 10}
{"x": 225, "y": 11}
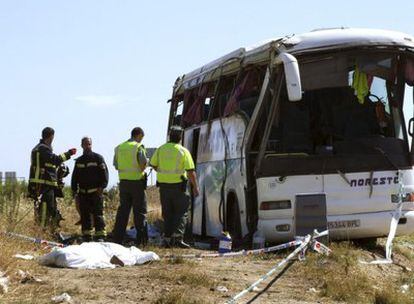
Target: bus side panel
{"x": 211, "y": 169}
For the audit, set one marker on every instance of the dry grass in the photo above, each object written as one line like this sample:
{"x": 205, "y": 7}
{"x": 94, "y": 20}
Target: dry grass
{"x": 178, "y": 296}
{"x": 186, "y": 274}
{"x": 343, "y": 278}
{"x": 17, "y": 215}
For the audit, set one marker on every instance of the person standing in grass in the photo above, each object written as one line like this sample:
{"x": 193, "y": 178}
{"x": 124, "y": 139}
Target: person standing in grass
{"x": 89, "y": 178}
{"x": 130, "y": 160}
{"x": 43, "y": 181}
{"x": 174, "y": 165}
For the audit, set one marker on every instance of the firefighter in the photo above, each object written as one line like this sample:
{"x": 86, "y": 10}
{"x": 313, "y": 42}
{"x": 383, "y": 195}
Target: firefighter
{"x": 43, "y": 181}
{"x": 130, "y": 160}
{"x": 174, "y": 165}
{"x": 89, "y": 178}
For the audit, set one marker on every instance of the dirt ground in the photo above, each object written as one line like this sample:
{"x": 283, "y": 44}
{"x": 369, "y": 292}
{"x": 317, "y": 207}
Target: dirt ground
{"x": 187, "y": 281}
{"x": 339, "y": 278}
{"x": 197, "y": 281}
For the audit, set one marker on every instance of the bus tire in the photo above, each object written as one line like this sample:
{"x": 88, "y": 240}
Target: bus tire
{"x": 233, "y": 217}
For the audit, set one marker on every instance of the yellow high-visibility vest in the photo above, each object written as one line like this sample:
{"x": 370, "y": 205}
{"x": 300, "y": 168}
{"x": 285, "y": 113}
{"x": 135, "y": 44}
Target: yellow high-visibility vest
{"x": 126, "y": 155}
{"x": 172, "y": 160}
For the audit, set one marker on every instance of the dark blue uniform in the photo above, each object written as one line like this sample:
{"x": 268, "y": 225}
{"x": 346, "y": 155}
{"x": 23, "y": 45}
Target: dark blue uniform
{"x": 89, "y": 178}
{"x": 43, "y": 182}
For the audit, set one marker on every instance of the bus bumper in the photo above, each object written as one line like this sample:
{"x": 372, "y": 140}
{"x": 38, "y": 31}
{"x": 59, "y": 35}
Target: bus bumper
{"x": 342, "y": 227}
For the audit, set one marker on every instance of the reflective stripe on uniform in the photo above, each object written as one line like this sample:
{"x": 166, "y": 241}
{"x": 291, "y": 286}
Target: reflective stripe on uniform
{"x": 101, "y": 233}
{"x": 50, "y": 165}
{"x": 43, "y": 214}
{"x": 92, "y": 164}
{"x": 42, "y": 181}
{"x": 37, "y": 171}
{"x": 63, "y": 155}
{"x": 88, "y": 191}
{"x": 127, "y": 170}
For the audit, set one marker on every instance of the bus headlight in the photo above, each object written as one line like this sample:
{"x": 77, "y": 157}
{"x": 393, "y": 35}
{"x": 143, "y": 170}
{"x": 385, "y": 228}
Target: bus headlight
{"x": 407, "y": 197}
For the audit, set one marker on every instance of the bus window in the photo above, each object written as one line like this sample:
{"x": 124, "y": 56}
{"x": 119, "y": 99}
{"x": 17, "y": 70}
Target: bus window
{"x": 197, "y": 103}
{"x": 177, "y": 111}
{"x": 223, "y": 95}
{"x": 246, "y": 92}
{"x": 207, "y": 105}
{"x": 338, "y": 109}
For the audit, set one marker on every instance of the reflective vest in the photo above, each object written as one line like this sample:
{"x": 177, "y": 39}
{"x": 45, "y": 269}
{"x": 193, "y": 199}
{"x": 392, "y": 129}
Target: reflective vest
{"x": 126, "y": 156}
{"x": 172, "y": 160}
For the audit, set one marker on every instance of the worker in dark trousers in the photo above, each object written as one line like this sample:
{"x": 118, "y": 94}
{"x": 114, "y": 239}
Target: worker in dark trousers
{"x": 130, "y": 160}
{"x": 43, "y": 179}
{"x": 174, "y": 165}
{"x": 89, "y": 178}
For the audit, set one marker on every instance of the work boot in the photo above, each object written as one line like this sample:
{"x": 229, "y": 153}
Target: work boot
{"x": 166, "y": 243}
{"x": 179, "y": 243}
{"x": 141, "y": 240}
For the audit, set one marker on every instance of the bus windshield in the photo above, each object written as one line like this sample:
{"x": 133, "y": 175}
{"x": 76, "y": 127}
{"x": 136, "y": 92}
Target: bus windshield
{"x": 351, "y": 113}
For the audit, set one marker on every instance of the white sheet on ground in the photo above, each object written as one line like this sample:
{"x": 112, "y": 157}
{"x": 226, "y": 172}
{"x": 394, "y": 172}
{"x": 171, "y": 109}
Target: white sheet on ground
{"x": 95, "y": 255}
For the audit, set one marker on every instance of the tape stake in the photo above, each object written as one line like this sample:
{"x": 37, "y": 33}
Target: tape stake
{"x": 320, "y": 248}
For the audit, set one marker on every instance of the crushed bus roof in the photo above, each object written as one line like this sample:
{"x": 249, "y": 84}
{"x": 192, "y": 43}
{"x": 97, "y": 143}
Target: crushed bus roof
{"x": 322, "y": 39}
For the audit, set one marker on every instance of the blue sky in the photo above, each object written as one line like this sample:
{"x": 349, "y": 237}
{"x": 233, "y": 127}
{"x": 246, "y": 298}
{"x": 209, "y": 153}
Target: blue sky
{"x": 100, "y": 68}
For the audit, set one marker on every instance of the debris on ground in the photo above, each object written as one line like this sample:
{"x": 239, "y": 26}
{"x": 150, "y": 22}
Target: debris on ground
{"x": 63, "y": 298}
{"x": 222, "y": 289}
{"x": 27, "y": 277}
{"x": 27, "y": 257}
{"x": 4, "y": 283}
{"x": 404, "y": 288}
{"x": 154, "y": 234}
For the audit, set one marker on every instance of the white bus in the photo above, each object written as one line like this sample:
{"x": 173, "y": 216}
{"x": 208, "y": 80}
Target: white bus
{"x": 302, "y": 132}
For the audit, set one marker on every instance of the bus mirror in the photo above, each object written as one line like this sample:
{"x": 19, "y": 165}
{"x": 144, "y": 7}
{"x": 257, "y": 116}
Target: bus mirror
{"x": 294, "y": 87}
{"x": 410, "y": 127}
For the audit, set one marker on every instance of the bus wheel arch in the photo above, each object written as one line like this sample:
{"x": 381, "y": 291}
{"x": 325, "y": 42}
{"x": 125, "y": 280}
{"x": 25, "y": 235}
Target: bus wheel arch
{"x": 233, "y": 221}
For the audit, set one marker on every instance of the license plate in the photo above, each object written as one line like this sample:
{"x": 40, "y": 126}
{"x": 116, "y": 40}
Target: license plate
{"x": 344, "y": 224}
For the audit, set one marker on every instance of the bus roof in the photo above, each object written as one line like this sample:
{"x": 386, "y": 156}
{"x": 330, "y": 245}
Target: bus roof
{"x": 322, "y": 39}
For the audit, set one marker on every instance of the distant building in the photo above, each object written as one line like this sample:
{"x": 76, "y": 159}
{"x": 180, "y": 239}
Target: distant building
{"x": 10, "y": 176}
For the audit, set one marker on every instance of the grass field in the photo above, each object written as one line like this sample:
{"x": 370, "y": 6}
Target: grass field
{"x": 339, "y": 278}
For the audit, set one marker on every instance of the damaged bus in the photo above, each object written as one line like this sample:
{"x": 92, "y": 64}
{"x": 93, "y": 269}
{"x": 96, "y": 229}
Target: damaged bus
{"x": 302, "y": 132}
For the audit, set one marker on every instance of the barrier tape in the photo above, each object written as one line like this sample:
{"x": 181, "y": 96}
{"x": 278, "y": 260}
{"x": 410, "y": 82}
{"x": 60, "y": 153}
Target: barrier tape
{"x": 238, "y": 253}
{"x": 297, "y": 251}
{"x": 34, "y": 240}
{"x": 306, "y": 242}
